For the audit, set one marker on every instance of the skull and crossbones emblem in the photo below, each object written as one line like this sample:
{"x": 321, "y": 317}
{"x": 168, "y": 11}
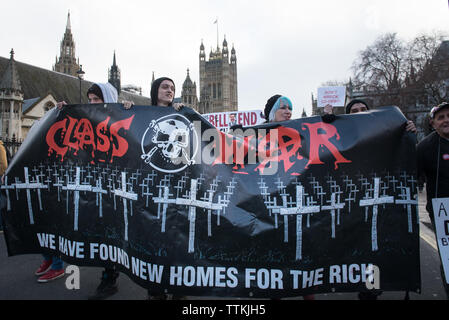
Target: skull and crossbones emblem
{"x": 170, "y": 144}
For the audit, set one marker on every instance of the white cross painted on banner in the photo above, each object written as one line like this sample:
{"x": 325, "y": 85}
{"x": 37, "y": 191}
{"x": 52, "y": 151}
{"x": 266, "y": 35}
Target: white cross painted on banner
{"x": 227, "y": 196}
{"x": 263, "y": 190}
{"x": 146, "y": 185}
{"x": 348, "y": 182}
{"x": 364, "y": 182}
{"x": 352, "y": 194}
{"x": 126, "y": 195}
{"x": 181, "y": 184}
{"x": 414, "y": 182}
{"x": 318, "y": 190}
{"x": 76, "y": 188}
{"x": 404, "y": 176}
{"x": 7, "y": 187}
{"x": 208, "y": 196}
{"x": 98, "y": 189}
{"x": 193, "y": 203}
{"x": 375, "y": 202}
{"x": 334, "y": 205}
{"x": 408, "y": 201}
{"x": 29, "y": 186}
{"x": 164, "y": 200}
{"x": 283, "y": 194}
{"x": 59, "y": 184}
{"x": 273, "y": 208}
{"x": 299, "y": 211}
{"x": 165, "y": 182}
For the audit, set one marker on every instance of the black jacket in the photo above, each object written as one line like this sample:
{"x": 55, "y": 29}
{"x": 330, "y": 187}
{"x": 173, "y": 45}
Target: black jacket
{"x": 427, "y": 152}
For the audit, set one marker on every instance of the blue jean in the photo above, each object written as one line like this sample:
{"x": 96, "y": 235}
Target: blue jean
{"x": 57, "y": 263}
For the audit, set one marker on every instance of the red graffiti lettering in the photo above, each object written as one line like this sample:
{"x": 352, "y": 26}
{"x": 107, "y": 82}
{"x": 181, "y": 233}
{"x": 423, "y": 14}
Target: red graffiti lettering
{"x": 320, "y": 135}
{"x": 79, "y": 134}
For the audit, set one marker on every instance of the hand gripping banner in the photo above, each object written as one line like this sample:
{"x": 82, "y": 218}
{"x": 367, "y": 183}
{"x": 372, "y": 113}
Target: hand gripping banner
{"x": 275, "y": 210}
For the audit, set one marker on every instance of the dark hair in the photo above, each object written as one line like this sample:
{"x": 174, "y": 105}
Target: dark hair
{"x": 269, "y": 105}
{"x": 353, "y": 102}
{"x": 96, "y": 90}
{"x": 155, "y": 90}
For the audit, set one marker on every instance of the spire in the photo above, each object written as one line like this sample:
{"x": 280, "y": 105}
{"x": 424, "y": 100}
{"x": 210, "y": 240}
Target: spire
{"x": 304, "y": 114}
{"x": 187, "y": 82}
{"x": 114, "y": 75}
{"x": 69, "y": 26}
{"x": 10, "y": 78}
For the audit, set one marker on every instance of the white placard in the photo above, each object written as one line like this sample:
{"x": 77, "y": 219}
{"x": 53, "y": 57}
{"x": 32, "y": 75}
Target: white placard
{"x": 335, "y": 96}
{"x": 441, "y": 216}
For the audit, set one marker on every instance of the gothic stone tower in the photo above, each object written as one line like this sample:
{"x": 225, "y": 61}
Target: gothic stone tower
{"x": 218, "y": 80}
{"x": 67, "y": 62}
{"x": 114, "y": 76}
{"x": 11, "y": 101}
{"x": 188, "y": 94}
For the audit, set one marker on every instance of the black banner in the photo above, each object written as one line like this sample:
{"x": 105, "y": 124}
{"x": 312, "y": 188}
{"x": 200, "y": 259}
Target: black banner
{"x": 277, "y": 210}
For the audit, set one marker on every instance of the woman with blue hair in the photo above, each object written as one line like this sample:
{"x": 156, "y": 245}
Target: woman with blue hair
{"x": 278, "y": 108}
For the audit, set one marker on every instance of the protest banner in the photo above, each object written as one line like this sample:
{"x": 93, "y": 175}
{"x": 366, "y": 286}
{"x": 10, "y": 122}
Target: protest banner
{"x": 283, "y": 210}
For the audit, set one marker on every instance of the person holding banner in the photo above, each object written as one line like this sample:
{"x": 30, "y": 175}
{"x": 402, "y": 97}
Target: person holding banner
{"x": 279, "y": 108}
{"x": 433, "y": 165}
{"x": 103, "y": 93}
{"x": 356, "y": 106}
{"x": 162, "y": 94}
{"x": 353, "y": 107}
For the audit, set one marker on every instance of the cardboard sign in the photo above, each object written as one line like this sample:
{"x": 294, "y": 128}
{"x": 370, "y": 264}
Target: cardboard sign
{"x": 441, "y": 215}
{"x": 334, "y": 96}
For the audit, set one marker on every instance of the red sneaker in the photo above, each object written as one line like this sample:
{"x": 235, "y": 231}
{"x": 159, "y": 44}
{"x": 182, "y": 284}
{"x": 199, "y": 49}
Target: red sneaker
{"x": 52, "y": 275}
{"x": 45, "y": 266}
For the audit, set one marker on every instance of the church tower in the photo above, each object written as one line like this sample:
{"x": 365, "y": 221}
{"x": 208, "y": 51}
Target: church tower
{"x": 114, "y": 75}
{"x": 67, "y": 62}
{"x": 11, "y": 101}
{"x": 188, "y": 94}
{"x": 218, "y": 80}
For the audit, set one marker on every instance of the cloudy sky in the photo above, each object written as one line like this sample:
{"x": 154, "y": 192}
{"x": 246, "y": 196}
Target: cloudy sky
{"x": 289, "y": 47}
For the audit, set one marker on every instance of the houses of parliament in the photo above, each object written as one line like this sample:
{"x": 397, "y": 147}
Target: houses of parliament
{"x": 27, "y": 91}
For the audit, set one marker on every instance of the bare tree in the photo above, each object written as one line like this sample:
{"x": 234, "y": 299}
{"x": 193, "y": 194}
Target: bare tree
{"x": 428, "y": 59}
{"x": 380, "y": 67}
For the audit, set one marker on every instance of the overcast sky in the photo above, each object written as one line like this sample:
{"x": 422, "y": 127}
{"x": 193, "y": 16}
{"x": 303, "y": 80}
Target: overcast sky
{"x": 289, "y": 47}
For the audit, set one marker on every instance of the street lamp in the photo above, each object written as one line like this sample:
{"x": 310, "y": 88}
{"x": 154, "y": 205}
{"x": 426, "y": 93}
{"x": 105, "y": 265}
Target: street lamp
{"x": 80, "y": 74}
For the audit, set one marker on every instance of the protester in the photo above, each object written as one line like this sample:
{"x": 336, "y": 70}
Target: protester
{"x": 433, "y": 162}
{"x": 353, "y": 107}
{"x": 279, "y": 108}
{"x": 103, "y": 93}
{"x": 356, "y": 106}
{"x": 162, "y": 94}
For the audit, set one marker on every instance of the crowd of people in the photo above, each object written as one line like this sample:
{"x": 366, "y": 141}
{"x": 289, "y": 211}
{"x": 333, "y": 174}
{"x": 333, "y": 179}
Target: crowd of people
{"x": 432, "y": 164}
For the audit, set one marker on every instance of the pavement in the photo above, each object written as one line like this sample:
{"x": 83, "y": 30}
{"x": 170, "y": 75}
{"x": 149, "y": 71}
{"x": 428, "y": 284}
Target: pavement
{"x": 18, "y": 282}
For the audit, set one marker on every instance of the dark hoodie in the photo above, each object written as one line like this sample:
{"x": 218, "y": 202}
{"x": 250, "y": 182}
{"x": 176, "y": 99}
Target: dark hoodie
{"x": 155, "y": 90}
